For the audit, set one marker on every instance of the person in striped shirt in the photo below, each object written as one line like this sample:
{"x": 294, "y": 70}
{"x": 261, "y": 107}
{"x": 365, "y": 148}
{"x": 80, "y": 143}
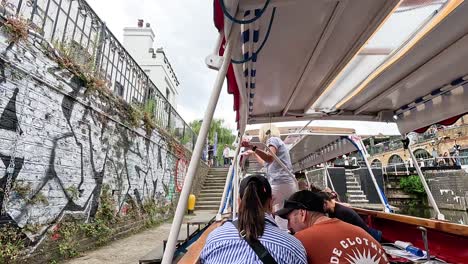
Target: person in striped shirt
{"x": 225, "y": 245}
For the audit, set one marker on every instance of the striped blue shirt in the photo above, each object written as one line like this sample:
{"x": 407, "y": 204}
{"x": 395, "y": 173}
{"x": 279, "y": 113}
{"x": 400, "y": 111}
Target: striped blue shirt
{"x": 224, "y": 245}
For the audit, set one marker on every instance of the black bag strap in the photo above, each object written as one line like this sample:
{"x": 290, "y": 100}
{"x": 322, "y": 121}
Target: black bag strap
{"x": 257, "y": 247}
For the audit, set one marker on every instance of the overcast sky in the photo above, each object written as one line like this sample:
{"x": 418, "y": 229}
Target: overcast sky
{"x": 184, "y": 28}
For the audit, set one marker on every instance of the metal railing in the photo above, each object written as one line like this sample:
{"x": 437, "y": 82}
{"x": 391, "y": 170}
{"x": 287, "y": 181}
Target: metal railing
{"x": 421, "y": 138}
{"x": 317, "y": 177}
{"x": 74, "y": 24}
{"x": 406, "y": 167}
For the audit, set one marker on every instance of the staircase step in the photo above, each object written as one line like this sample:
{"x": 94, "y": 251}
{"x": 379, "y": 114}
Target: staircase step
{"x": 355, "y": 196}
{"x": 209, "y": 194}
{"x": 352, "y": 183}
{"x": 215, "y": 179}
{"x": 206, "y": 207}
{"x": 217, "y": 193}
{"x": 355, "y": 192}
{"x": 209, "y": 198}
{"x": 215, "y": 182}
{"x": 358, "y": 201}
{"x": 214, "y": 186}
{"x": 214, "y": 203}
{"x": 353, "y": 187}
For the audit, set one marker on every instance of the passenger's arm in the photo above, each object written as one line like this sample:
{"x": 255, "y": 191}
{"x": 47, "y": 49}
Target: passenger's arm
{"x": 257, "y": 157}
{"x": 266, "y": 156}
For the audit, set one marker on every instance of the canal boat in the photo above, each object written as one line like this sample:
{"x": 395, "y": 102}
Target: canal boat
{"x": 399, "y": 61}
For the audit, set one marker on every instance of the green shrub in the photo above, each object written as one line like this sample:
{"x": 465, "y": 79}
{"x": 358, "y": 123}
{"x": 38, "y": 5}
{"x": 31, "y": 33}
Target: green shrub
{"x": 412, "y": 185}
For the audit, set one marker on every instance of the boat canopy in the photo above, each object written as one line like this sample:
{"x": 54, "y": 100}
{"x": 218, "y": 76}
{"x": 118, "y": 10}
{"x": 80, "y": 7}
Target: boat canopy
{"x": 373, "y": 60}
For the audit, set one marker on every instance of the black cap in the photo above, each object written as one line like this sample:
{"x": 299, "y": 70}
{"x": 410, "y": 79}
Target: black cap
{"x": 305, "y": 200}
{"x": 261, "y": 184}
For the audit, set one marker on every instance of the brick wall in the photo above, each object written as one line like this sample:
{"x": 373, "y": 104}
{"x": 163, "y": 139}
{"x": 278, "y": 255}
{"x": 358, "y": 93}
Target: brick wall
{"x": 69, "y": 145}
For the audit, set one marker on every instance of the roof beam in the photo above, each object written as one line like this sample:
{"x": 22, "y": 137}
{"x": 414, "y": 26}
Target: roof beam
{"x": 315, "y": 53}
{"x": 358, "y": 46}
{"x": 262, "y": 119}
{"x": 404, "y": 80}
{"x": 449, "y": 8}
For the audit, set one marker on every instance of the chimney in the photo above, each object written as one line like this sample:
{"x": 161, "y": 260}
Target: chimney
{"x": 148, "y": 25}
{"x": 138, "y": 40}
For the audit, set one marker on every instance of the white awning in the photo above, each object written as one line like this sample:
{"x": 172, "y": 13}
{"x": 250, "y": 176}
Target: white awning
{"x": 371, "y": 60}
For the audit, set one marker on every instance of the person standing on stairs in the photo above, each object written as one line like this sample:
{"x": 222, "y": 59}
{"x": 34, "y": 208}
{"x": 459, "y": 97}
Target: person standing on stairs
{"x": 282, "y": 181}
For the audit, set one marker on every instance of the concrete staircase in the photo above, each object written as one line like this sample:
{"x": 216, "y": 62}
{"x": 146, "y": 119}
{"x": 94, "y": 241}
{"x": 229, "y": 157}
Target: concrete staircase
{"x": 212, "y": 190}
{"x": 355, "y": 193}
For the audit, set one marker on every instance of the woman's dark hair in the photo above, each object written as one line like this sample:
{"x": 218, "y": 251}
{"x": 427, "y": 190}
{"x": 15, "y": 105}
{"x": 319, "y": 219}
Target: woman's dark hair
{"x": 255, "y": 192}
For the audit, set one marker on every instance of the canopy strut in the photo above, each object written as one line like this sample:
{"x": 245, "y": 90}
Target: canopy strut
{"x": 439, "y": 215}
{"x": 196, "y": 155}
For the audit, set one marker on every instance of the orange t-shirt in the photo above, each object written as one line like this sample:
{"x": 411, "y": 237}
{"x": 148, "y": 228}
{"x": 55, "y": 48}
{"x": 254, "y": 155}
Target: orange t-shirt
{"x": 334, "y": 241}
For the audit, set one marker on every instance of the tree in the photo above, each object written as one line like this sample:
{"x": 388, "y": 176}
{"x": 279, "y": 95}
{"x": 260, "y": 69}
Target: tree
{"x": 225, "y": 135}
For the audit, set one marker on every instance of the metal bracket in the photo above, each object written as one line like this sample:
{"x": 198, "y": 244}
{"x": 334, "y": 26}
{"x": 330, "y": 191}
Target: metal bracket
{"x": 214, "y": 62}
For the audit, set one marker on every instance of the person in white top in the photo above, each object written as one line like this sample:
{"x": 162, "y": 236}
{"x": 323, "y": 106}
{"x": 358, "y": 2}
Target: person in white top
{"x": 226, "y": 156}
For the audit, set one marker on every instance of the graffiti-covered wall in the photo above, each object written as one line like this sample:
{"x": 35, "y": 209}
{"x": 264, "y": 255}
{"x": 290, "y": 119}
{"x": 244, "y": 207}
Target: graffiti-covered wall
{"x": 66, "y": 146}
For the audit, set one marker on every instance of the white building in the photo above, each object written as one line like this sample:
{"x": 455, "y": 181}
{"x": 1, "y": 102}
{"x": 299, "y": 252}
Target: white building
{"x": 139, "y": 42}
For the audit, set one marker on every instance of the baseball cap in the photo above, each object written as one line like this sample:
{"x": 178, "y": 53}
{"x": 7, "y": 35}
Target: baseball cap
{"x": 305, "y": 200}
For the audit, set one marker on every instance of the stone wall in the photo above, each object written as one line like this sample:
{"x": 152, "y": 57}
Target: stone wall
{"x": 449, "y": 188}
{"x": 69, "y": 145}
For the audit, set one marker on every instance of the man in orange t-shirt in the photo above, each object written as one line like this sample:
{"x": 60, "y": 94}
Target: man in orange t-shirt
{"x": 328, "y": 240}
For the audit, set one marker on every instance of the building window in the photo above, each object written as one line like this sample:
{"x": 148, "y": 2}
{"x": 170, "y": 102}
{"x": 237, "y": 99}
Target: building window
{"x": 421, "y": 154}
{"x": 376, "y": 163}
{"x": 395, "y": 159}
{"x": 119, "y": 89}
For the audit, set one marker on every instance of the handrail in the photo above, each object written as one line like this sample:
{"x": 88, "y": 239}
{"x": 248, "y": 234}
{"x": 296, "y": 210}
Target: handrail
{"x": 421, "y": 138}
{"x": 392, "y": 165}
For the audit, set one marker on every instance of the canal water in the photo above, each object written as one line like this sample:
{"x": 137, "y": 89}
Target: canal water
{"x": 454, "y": 216}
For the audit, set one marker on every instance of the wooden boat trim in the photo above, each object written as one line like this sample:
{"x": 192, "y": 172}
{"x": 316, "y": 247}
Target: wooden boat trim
{"x": 193, "y": 254}
{"x": 456, "y": 229}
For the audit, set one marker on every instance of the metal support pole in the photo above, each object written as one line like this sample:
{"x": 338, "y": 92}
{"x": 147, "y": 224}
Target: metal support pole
{"x": 235, "y": 187}
{"x": 228, "y": 177}
{"x": 329, "y": 177}
{"x": 433, "y": 203}
{"x": 196, "y": 155}
{"x": 327, "y": 174}
{"x": 377, "y": 188}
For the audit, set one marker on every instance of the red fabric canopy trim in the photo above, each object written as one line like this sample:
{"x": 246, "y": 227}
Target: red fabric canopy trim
{"x": 218, "y": 16}
{"x": 446, "y": 122}
{"x": 232, "y": 87}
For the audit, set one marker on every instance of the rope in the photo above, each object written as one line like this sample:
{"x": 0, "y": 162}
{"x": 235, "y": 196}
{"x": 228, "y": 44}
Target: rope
{"x": 255, "y": 54}
{"x": 237, "y": 21}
